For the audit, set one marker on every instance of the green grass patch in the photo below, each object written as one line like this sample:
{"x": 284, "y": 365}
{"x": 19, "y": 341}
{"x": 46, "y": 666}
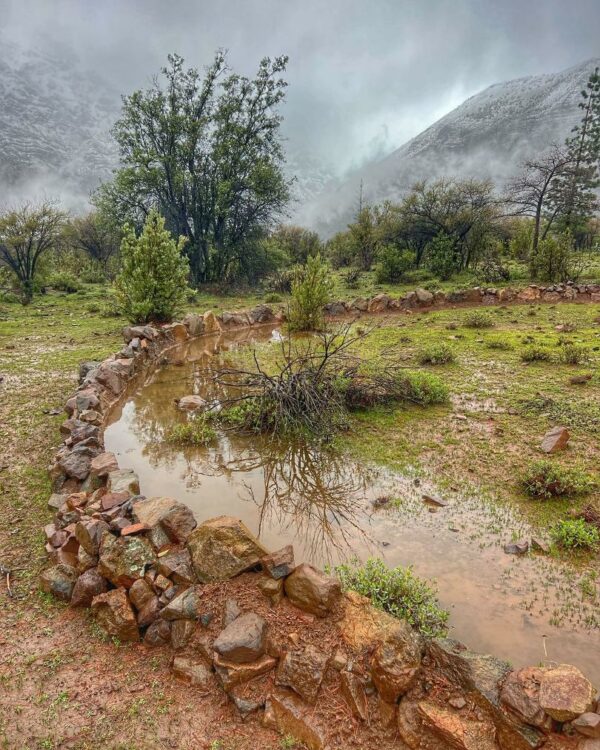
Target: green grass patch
{"x": 545, "y": 479}
{"x": 478, "y": 319}
{"x": 195, "y": 432}
{"x": 576, "y": 534}
{"x": 437, "y": 354}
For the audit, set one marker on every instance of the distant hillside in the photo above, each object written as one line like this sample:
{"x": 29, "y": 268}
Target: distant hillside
{"x": 485, "y": 137}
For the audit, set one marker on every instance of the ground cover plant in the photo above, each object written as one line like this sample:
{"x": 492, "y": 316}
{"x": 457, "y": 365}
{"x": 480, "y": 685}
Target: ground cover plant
{"x": 545, "y": 478}
{"x": 576, "y": 534}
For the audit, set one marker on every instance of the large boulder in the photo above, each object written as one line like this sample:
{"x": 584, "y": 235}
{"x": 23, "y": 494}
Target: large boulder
{"x": 312, "y": 590}
{"x": 59, "y": 580}
{"x": 362, "y": 625}
{"x": 115, "y": 615}
{"x": 565, "y": 693}
{"x": 194, "y": 324}
{"x": 123, "y": 560}
{"x": 243, "y": 640}
{"x": 88, "y": 585}
{"x": 424, "y": 297}
{"x": 222, "y": 548}
{"x": 426, "y": 724}
{"x": 76, "y": 463}
{"x": 396, "y": 663}
{"x": 379, "y": 303}
{"x": 175, "y": 518}
{"x": 260, "y": 315}
{"x": 303, "y": 671}
{"x": 211, "y": 324}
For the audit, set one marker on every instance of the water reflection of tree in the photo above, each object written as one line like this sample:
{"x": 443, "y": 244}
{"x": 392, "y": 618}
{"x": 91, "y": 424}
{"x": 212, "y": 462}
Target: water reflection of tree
{"x": 317, "y": 495}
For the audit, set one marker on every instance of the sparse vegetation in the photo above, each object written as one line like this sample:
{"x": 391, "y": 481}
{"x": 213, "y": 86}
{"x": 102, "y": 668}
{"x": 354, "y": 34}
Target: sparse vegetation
{"x": 478, "y": 319}
{"x": 397, "y": 591}
{"x": 195, "y": 432}
{"x": 576, "y": 534}
{"x": 437, "y": 354}
{"x": 311, "y": 290}
{"x": 545, "y": 479}
{"x": 536, "y": 353}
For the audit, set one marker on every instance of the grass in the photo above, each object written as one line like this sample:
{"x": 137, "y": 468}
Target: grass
{"x": 195, "y": 432}
{"x": 437, "y": 354}
{"x": 478, "y": 319}
{"x": 397, "y": 591}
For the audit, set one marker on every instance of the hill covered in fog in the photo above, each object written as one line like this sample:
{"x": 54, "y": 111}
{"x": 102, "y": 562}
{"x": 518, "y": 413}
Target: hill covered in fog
{"x": 485, "y": 137}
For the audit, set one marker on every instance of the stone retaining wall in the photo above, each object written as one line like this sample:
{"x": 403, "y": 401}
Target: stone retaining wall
{"x": 150, "y": 573}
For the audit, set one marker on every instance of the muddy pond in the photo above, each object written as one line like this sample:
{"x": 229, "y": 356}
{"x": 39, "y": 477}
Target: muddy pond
{"x": 525, "y": 609}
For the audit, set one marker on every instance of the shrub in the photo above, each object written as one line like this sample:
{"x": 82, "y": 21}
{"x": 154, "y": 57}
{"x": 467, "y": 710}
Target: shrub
{"x": 554, "y": 260}
{"x": 478, "y": 319}
{"x": 499, "y": 343}
{"x": 397, "y": 591}
{"x": 273, "y": 297}
{"x": 352, "y": 278}
{"x": 195, "y": 432}
{"x": 422, "y": 388}
{"x": 152, "y": 283}
{"x": 437, "y": 354}
{"x": 443, "y": 259}
{"x": 63, "y": 282}
{"x": 572, "y": 354}
{"x": 576, "y": 534}
{"x": 311, "y": 290}
{"x": 281, "y": 281}
{"x": 546, "y": 479}
{"x": 536, "y": 353}
{"x": 393, "y": 264}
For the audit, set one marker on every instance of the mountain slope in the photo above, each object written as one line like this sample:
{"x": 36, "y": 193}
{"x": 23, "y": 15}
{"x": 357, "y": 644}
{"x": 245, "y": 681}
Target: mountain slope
{"x": 485, "y": 137}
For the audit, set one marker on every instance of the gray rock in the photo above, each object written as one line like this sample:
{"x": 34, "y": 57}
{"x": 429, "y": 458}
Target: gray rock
{"x": 244, "y": 640}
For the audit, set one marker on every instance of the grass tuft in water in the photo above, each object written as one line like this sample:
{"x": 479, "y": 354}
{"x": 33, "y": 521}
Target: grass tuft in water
{"x": 195, "y": 432}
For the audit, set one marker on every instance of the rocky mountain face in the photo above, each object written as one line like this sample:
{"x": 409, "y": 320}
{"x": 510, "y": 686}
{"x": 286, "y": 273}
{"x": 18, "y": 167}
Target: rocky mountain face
{"x": 485, "y": 137}
{"x": 54, "y": 127}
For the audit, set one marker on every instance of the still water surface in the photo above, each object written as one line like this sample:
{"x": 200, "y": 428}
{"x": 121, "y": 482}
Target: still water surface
{"x": 322, "y": 503}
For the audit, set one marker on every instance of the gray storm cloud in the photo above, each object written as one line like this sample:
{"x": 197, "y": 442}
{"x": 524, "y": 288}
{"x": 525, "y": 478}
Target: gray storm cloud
{"x": 364, "y": 76}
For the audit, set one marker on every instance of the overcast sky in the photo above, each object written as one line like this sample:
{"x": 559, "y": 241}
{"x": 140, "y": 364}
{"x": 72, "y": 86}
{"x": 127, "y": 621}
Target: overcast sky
{"x": 364, "y": 76}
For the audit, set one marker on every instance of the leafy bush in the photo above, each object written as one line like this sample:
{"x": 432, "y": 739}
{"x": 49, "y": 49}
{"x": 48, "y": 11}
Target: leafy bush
{"x": 491, "y": 270}
{"x": 536, "y": 353}
{"x": 273, "y": 297}
{"x": 554, "y": 260}
{"x": 397, "y": 591}
{"x": 437, "y": 354}
{"x": 422, "y": 388}
{"x": 152, "y": 283}
{"x": 63, "y": 282}
{"x": 572, "y": 354}
{"x": 478, "y": 319}
{"x": 311, "y": 290}
{"x": 576, "y": 534}
{"x": 195, "y": 432}
{"x": 393, "y": 264}
{"x": 546, "y": 479}
{"x": 443, "y": 258}
{"x": 499, "y": 343}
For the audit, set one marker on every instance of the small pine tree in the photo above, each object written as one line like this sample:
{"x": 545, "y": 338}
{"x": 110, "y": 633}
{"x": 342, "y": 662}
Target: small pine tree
{"x": 311, "y": 290}
{"x": 152, "y": 283}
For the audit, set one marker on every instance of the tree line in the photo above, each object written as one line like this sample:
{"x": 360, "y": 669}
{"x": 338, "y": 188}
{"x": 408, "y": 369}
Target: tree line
{"x": 203, "y": 151}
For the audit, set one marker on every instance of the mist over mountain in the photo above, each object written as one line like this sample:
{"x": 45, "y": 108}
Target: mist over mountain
{"x": 486, "y": 137}
{"x": 55, "y": 141}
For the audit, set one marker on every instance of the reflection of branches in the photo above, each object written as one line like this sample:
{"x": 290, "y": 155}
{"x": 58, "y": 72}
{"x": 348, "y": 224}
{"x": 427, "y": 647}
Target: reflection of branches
{"x": 316, "y": 494}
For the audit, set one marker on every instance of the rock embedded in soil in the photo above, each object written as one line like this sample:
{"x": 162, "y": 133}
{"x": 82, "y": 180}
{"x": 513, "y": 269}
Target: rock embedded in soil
{"x": 354, "y": 693}
{"x": 312, "y": 590}
{"x": 279, "y": 564}
{"x": 565, "y": 693}
{"x": 88, "y": 585}
{"x": 232, "y": 673}
{"x": 115, "y": 615}
{"x": 244, "y": 640}
{"x": 303, "y": 671}
{"x": 396, "y": 663}
{"x": 59, "y": 580}
{"x": 517, "y": 548}
{"x": 295, "y": 719}
{"x": 158, "y": 634}
{"x": 123, "y": 560}
{"x": 231, "y": 611}
{"x": 222, "y": 548}
{"x": 555, "y": 440}
{"x": 181, "y": 632}
{"x": 193, "y": 670}
{"x": 271, "y": 588}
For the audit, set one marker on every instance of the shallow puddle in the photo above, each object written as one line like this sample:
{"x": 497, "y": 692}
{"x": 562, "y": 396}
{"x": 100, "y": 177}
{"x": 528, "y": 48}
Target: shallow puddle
{"x": 527, "y": 609}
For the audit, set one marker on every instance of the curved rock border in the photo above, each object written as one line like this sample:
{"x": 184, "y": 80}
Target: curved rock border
{"x": 147, "y": 571}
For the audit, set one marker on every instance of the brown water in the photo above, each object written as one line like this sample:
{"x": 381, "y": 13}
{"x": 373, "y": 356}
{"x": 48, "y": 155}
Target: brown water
{"x": 527, "y": 609}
